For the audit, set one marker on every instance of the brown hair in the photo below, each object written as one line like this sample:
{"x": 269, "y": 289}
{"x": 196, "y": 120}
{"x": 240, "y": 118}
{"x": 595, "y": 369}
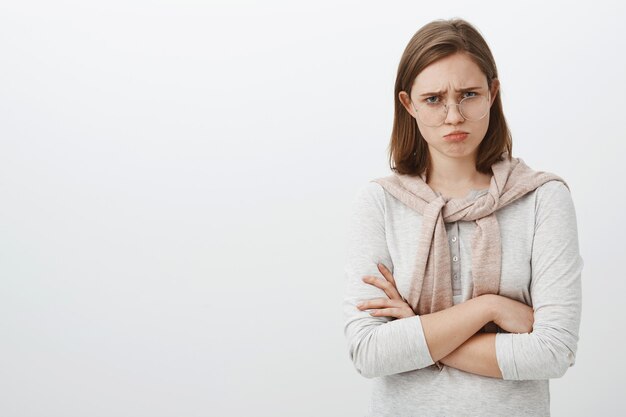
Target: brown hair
{"x": 408, "y": 151}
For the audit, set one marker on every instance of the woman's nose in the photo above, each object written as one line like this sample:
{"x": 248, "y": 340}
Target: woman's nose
{"x": 453, "y": 115}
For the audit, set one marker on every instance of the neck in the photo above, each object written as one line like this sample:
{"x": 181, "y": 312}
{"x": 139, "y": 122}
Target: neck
{"x": 453, "y": 172}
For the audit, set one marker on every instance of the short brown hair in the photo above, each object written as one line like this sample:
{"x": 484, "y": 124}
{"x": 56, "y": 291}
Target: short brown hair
{"x": 408, "y": 151}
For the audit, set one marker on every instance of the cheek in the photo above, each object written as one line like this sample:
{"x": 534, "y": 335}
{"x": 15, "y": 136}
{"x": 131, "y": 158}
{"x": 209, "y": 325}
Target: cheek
{"x": 429, "y": 133}
{"x": 483, "y": 127}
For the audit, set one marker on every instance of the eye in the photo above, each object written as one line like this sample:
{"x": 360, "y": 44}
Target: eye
{"x": 427, "y": 99}
{"x": 470, "y": 92}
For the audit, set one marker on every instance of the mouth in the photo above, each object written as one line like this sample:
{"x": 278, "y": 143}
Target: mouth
{"x": 456, "y": 136}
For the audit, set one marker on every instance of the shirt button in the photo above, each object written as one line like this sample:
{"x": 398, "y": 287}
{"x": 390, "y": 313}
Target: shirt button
{"x": 454, "y": 258}
{"x": 454, "y": 238}
{"x": 456, "y": 276}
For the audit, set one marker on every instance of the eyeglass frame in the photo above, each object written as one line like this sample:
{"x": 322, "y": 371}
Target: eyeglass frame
{"x": 447, "y": 107}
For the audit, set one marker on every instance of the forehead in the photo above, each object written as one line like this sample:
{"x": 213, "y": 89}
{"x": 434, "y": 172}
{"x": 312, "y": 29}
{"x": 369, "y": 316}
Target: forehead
{"x": 454, "y": 71}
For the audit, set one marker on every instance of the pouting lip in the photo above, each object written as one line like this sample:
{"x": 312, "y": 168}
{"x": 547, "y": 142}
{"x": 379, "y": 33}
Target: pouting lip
{"x": 457, "y": 132}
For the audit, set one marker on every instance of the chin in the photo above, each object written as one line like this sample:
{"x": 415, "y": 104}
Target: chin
{"x": 458, "y": 150}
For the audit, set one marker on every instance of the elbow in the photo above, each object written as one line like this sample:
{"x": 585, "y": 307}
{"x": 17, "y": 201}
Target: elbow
{"x": 387, "y": 347}
{"x": 559, "y": 369}
{"x": 363, "y": 364}
{"x": 565, "y": 363}
{"x": 373, "y": 361}
{"x": 361, "y": 349}
{"x": 365, "y": 372}
{"x": 362, "y": 368}
{"x": 542, "y": 354}
{"x": 557, "y": 356}
{"x": 554, "y": 359}
{"x": 369, "y": 360}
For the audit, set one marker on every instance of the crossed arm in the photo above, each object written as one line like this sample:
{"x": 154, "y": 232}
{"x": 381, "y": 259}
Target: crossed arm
{"x": 451, "y": 334}
{"x": 379, "y": 345}
{"x": 477, "y": 356}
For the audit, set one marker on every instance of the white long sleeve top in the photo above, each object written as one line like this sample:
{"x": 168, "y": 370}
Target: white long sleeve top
{"x": 541, "y": 266}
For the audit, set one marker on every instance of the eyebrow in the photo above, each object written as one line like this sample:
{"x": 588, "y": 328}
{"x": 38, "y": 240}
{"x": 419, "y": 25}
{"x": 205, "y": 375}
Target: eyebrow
{"x": 437, "y": 93}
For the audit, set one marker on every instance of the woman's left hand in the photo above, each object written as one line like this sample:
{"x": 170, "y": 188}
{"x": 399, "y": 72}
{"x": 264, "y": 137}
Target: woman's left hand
{"x": 394, "y": 306}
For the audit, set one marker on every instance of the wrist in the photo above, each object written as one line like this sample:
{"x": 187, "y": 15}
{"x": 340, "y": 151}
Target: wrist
{"x": 491, "y": 306}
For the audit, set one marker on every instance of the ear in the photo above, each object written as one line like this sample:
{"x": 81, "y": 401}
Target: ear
{"x": 495, "y": 86}
{"x": 406, "y": 102}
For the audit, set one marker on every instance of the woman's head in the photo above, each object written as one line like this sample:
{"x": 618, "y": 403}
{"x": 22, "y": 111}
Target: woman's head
{"x": 446, "y": 56}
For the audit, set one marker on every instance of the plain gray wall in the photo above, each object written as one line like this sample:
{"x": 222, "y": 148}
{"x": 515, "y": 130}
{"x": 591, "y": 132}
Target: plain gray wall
{"x": 176, "y": 179}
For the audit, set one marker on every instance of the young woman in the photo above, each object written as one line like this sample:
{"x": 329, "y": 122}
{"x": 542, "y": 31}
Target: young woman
{"x": 463, "y": 269}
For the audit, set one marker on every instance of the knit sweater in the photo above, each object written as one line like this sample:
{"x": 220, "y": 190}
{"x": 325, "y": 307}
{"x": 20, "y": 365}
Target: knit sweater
{"x": 541, "y": 267}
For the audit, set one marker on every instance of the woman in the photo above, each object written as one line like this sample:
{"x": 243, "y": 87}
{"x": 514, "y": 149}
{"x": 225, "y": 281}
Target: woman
{"x": 463, "y": 269}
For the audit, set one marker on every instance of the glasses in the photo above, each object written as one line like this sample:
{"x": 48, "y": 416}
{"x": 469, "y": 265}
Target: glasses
{"x": 472, "y": 109}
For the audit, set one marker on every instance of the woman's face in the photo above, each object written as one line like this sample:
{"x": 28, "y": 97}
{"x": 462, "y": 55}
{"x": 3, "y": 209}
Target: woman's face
{"x": 442, "y": 81}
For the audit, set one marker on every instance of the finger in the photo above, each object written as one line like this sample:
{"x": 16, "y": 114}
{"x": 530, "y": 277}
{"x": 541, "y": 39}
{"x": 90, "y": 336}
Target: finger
{"x": 386, "y": 273}
{"x": 388, "y": 312}
{"x": 386, "y": 286}
{"x": 381, "y": 303}
{"x": 375, "y": 303}
{"x": 392, "y": 290}
{"x": 397, "y": 312}
{"x": 370, "y": 279}
{"x": 383, "y": 284}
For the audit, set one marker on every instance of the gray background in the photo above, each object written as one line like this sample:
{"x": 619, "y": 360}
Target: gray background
{"x": 176, "y": 179}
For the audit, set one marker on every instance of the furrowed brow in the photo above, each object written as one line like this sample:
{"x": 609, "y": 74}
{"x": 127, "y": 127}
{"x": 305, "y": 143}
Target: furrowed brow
{"x": 438, "y": 93}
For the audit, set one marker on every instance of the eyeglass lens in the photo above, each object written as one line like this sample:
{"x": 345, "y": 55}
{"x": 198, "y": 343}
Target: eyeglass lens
{"x": 471, "y": 108}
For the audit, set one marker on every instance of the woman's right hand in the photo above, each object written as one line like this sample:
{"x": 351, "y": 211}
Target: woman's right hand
{"x": 513, "y": 316}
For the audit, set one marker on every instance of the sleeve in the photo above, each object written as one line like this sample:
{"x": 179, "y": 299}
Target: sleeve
{"x": 555, "y": 289}
{"x": 377, "y": 346}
